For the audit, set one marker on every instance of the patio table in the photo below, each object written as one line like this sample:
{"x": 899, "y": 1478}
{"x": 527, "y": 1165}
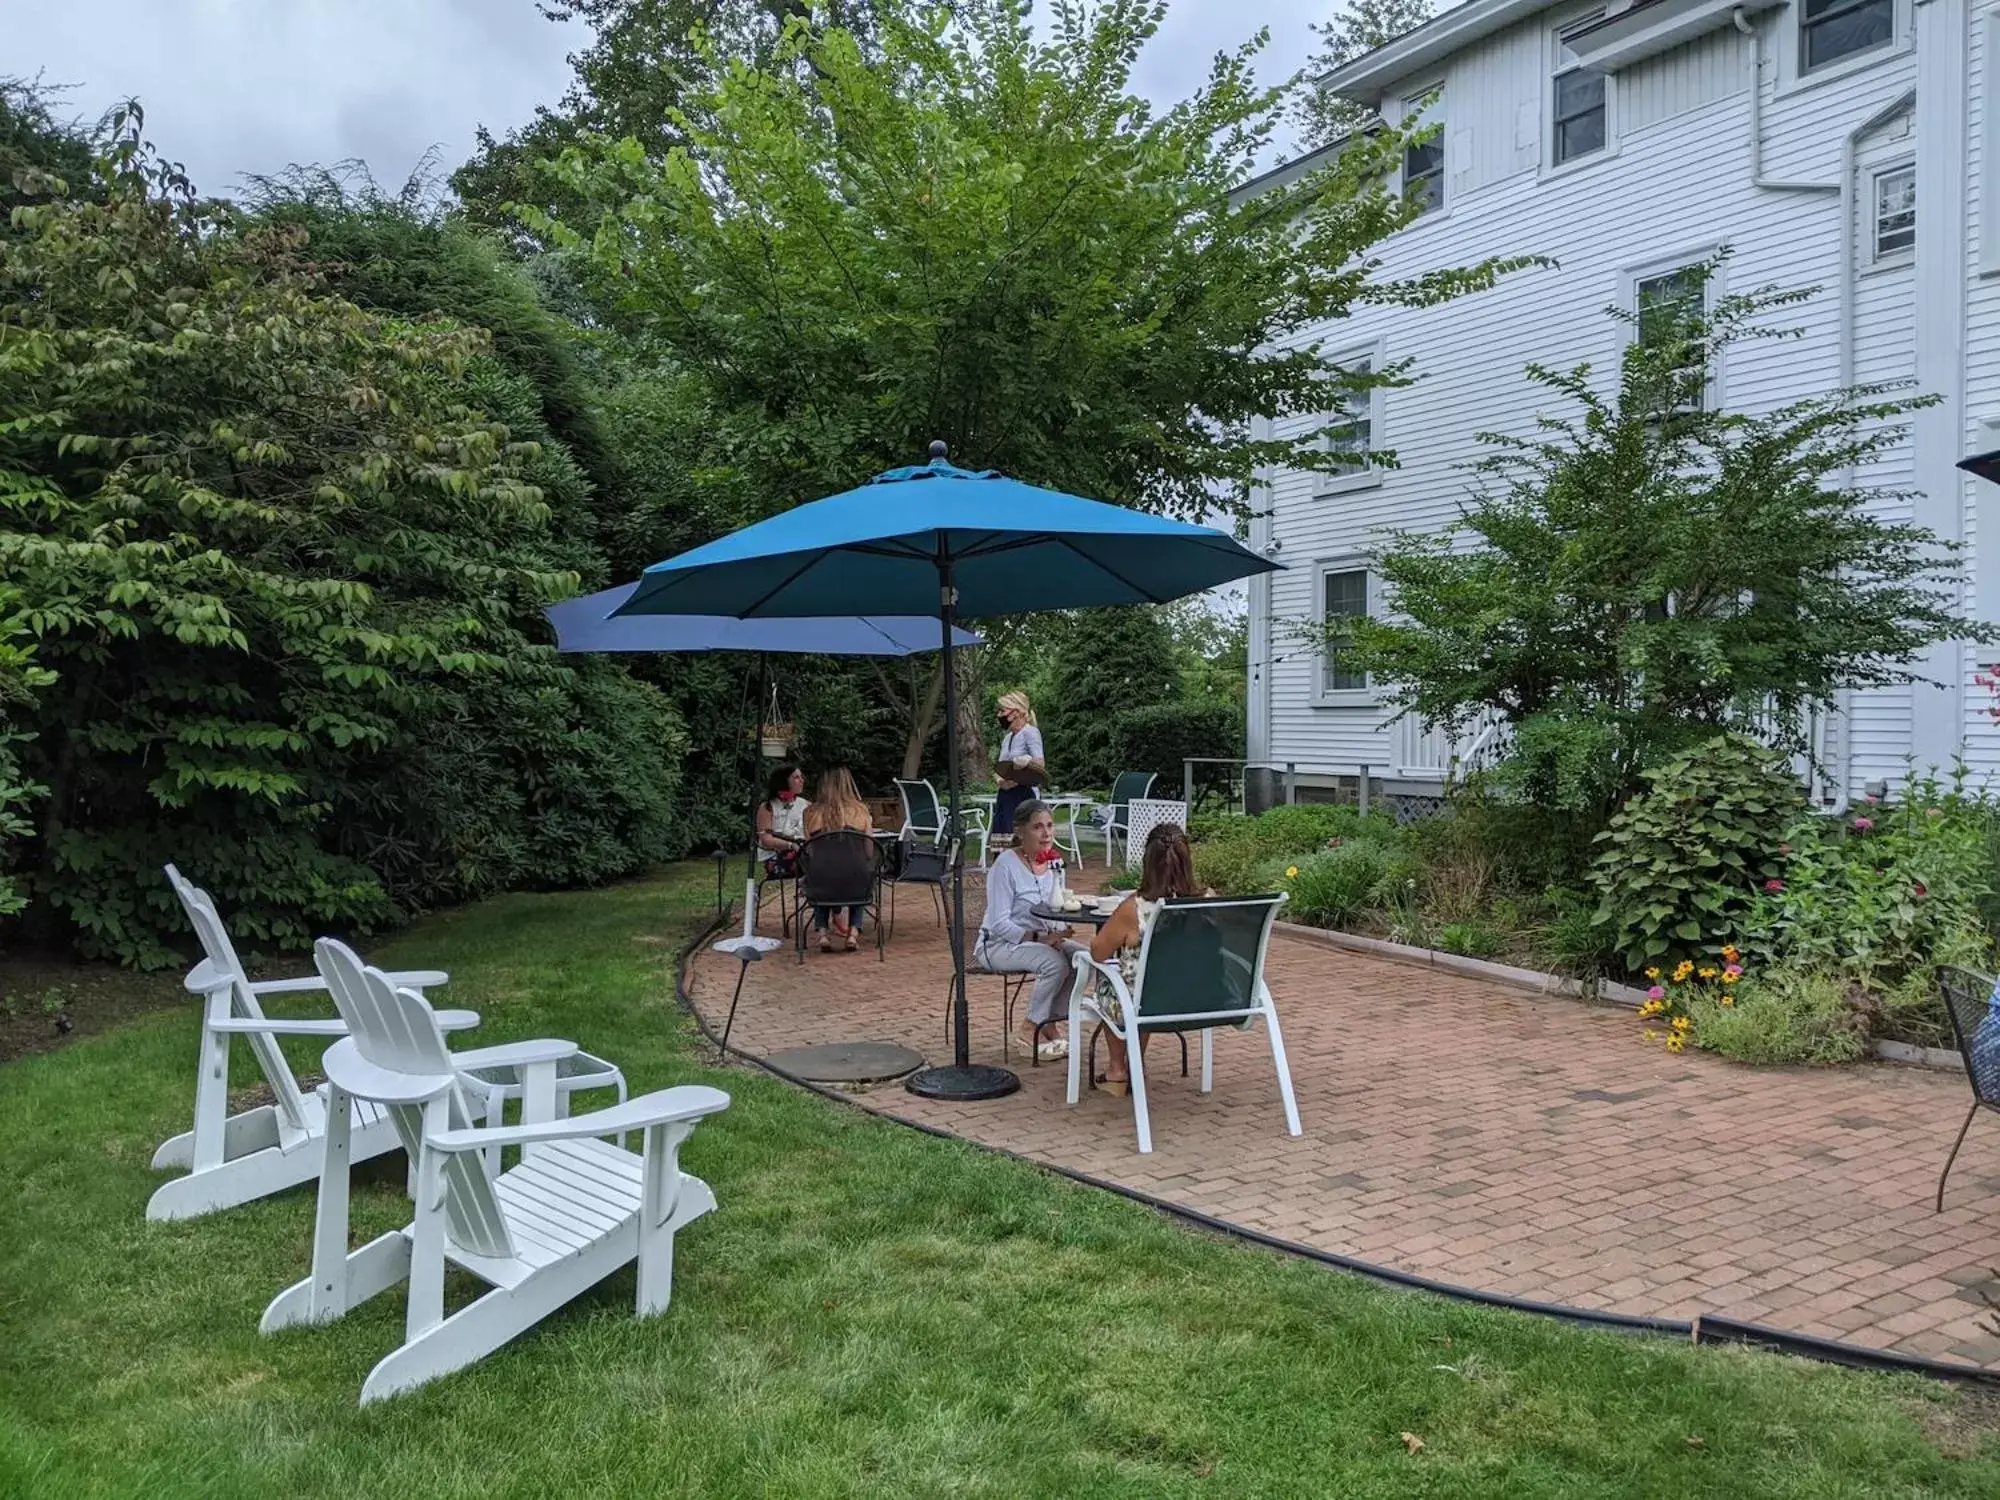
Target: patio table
{"x": 1089, "y": 916}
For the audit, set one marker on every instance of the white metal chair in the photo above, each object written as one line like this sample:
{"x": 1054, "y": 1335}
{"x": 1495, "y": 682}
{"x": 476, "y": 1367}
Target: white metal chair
{"x": 1201, "y": 966}
{"x": 574, "y": 1209}
{"x": 235, "y": 1159}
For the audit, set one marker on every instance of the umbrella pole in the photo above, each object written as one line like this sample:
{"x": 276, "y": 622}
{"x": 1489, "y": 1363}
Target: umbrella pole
{"x": 756, "y": 795}
{"x": 962, "y": 1080}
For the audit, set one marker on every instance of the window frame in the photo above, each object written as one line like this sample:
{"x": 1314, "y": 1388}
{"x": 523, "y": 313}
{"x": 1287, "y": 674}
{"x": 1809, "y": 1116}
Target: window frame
{"x": 1324, "y": 696}
{"x": 1368, "y": 476}
{"x": 1556, "y": 68}
{"x": 1901, "y": 255}
{"x": 1633, "y": 277}
{"x": 1788, "y": 50}
{"x": 1426, "y": 106}
{"x": 1802, "y": 26}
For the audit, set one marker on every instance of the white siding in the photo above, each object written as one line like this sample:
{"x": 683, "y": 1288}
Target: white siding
{"x": 1676, "y": 183}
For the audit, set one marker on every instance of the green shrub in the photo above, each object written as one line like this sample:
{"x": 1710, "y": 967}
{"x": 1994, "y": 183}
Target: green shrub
{"x": 1784, "y": 1017}
{"x": 1893, "y": 889}
{"x": 1160, "y": 736}
{"x": 1228, "y": 851}
{"x": 1681, "y": 862}
{"x": 1335, "y": 886}
{"x": 1573, "y": 940}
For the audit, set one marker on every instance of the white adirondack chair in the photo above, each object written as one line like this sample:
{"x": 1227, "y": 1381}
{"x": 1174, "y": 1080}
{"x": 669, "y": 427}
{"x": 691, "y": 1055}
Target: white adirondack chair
{"x": 1201, "y": 967}
{"x": 235, "y": 1159}
{"x": 573, "y": 1210}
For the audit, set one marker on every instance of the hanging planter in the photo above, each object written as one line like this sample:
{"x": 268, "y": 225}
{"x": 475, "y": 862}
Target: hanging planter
{"x": 778, "y": 733}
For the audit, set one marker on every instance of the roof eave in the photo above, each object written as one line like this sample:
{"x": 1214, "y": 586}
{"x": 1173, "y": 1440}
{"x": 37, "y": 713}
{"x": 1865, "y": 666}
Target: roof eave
{"x": 1371, "y": 76}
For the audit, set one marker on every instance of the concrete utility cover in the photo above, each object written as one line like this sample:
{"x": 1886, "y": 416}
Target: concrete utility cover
{"x": 848, "y": 1062}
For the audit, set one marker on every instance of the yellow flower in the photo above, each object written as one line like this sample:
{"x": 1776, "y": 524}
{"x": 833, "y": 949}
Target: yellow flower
{"x": 1292, "y": 872}
{"x": 1676, "y": 1043}
{"x": 1682, "y": 1023}
{"x": 1654, "y": 972}
{"x": 1708, "y": 973}
{"x": 1682, "y": 970}
{"x": 1731, "y": 978}
{"x": 1649, "y": 1035}
{"x": 1728, "y": 999}
{"x": 1729, "y": 954}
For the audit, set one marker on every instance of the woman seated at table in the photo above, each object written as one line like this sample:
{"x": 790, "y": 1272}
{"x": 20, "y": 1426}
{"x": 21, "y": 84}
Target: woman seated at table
{"x": 781, "y": 823}
{"x": 838, "y": 806}
{"x": 1013, "y": 940}
{"x": 1166, "y": 870}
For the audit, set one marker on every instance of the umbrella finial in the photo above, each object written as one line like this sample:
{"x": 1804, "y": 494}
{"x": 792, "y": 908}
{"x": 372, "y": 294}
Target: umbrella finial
{"x": 937, "y": 450}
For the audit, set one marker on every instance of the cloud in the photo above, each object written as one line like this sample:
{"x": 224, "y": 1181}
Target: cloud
{"x": 235, "y": 88}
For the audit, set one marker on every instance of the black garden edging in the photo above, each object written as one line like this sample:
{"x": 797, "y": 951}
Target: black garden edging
{"x": 1704, "y": 1328}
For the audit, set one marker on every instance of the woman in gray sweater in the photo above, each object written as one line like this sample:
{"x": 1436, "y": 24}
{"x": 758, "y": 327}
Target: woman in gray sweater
{"x": 1014, "y": 941}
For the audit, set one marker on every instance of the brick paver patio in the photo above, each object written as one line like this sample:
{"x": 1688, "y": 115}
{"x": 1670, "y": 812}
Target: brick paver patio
{"x": 1488, "y": 1137}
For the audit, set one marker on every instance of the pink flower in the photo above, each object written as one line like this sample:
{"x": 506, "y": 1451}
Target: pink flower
{"x": 1774, "y": 886}
{"x": 1864, "y": 824}
{"x": 1920, "y": 889}
{"x": 1871, "y": 799}
{"x": 1656, "y": 993}
{"x": 1733, "y": 970}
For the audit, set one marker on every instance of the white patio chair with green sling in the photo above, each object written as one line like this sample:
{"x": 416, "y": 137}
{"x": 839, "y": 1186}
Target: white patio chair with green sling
{"x": 1200, "y": 968}
{"x": 1128, "y": 788}
{"x": 571, "y": 1211}
{"x": 235, "y": 1159}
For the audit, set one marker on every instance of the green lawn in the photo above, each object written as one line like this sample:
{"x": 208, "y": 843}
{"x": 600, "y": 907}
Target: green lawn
{"x": 870, "y": 1312}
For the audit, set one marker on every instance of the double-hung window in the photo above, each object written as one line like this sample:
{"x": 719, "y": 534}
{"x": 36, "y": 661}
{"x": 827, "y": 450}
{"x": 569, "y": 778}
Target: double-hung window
{"x": 1580, "y": 120}
{"x": 1343, "y": 600}
{"x": 1352, "y": 431}
{"x": 1830, "y": 30}
{"x": 1670, "y": 307}
{"x": 1895, "y": 221}
{"x": 1423, "y": 158}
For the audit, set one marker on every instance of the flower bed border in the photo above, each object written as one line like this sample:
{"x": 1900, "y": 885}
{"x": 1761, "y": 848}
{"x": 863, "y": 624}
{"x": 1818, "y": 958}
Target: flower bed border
{"x": 1596, "y": 992}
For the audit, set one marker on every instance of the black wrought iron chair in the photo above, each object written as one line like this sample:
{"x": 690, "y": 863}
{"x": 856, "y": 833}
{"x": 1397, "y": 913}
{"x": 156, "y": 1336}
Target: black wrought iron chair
{"x": 838, "y": 868}
{"x": 1011, "y": 985}
{"x": 1969, "y": 999}
{"x": 925, "y": 862}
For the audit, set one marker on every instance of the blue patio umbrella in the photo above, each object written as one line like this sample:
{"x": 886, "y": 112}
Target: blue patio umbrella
{"x": 952, "y": 544}
{"x": 587, "y": 624}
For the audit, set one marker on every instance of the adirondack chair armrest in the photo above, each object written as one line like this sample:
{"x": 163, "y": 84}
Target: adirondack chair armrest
{"x": 517, "y": 1054}
{"x": 280, "y": 1026}
{"x": 690, "y": 1101}
{"x": 405, "y": 979}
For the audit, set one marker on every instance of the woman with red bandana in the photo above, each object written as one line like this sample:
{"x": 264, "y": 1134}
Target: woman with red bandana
{"x": 781, "y": 823}
{"x": 1012, "y": 940}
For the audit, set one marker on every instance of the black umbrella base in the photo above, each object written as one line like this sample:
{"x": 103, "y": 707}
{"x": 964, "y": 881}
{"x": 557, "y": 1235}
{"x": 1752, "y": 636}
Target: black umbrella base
{"x": 963, "y": 1084}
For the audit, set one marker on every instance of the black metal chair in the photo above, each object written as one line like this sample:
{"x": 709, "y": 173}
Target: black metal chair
{"x": 1011, "y": 985}
{"x": 838, "y": 868}
{"x": 1969, "y": 999}
{"x": 925, "y": 862}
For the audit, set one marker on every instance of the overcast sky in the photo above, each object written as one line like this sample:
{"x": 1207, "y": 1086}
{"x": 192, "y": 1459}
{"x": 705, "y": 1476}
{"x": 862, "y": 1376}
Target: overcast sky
{"x": 235, "y": 87}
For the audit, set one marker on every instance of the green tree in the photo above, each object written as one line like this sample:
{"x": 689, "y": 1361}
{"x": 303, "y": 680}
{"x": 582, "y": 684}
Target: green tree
{"x": 1360, "y": 27}
{"x": 1100, "y": 663}
{"x": 1652, "y": 571}
{"x": 953, "y": 230}
{"x": 284, "y": 564}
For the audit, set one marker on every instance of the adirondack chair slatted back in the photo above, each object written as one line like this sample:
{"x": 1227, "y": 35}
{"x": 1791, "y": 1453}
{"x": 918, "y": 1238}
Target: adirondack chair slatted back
{"x": 396, "y": 1030}
{"x": 286, "y": 1096}
{"x": 1973, "y": 1001}
{"x": 1204, "y": 956}
{"x": 921, "y": 813}
{"x": 1128, "y": 788}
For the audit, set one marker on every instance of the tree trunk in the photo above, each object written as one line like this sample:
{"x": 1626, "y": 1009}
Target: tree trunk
{"x": 923, "y": 719}
{"x": 972, "y": 758}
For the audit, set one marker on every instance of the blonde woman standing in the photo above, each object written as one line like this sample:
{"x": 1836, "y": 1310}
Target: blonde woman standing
{"x": 1019, "y": 767}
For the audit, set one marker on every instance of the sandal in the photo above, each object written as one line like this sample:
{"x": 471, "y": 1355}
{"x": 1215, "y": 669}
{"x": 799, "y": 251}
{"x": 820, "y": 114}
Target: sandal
{"x": 826, "y": 945}
{"x": 1053, "y": 1050}
{"x": 1117, "y": 1087}
{"x": 853, "y": 943}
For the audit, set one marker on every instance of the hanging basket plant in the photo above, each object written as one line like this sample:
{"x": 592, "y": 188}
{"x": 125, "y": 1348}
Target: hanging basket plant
{"x": 778, "y": 732}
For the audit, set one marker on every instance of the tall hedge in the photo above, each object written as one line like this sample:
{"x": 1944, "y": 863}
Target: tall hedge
{"x": 285, "y": 557}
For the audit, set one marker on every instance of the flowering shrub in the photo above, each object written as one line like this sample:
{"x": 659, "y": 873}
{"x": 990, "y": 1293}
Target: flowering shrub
{"x": 1335, "y": 886}
{"x": 1679, "y": 994}
{"x": 1893, "y": 890}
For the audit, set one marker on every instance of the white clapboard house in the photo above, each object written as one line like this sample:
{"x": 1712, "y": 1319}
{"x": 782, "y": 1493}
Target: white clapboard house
{"x": 1843, "y": 144}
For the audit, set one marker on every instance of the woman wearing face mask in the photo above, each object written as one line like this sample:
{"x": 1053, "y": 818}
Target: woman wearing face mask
{"x": 1019, "y": 766}
{"x": 781, "y": 823}
{"x": 1012, "y": 940}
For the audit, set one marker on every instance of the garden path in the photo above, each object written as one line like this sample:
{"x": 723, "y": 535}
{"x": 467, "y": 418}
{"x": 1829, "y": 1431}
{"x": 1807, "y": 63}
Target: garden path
{"x": 1489, "y": 1137}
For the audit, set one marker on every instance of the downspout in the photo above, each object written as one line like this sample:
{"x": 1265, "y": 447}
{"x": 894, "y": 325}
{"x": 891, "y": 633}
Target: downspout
{"x": 1749, "y": 28}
